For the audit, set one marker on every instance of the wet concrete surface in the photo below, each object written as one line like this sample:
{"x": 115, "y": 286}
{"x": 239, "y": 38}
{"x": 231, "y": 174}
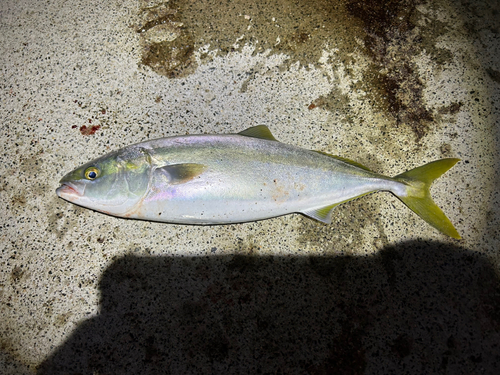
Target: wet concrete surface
{"x": 391, "y": 84}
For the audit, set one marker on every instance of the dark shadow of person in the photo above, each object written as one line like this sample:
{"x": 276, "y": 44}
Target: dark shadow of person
{"x": 415, "y": 308}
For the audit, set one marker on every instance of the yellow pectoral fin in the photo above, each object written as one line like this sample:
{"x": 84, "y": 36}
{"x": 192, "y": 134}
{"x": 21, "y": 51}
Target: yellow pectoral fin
{"x": 181, "y": 173}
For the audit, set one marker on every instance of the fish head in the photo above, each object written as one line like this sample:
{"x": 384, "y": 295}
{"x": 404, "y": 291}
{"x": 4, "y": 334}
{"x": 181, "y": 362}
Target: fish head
{"x": 113, "y": 184}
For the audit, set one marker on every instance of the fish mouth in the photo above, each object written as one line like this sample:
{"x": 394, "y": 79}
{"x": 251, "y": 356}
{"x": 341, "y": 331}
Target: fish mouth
{"x": 68, "y": 192}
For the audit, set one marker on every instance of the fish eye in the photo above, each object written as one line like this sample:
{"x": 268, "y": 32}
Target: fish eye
{"x": 91, "y": 173}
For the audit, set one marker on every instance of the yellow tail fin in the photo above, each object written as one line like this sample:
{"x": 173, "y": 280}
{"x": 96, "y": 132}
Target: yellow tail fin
{"x": 418, "y": 198}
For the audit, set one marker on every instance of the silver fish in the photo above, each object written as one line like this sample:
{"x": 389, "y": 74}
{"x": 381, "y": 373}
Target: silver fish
{"x": 234, "y": 178}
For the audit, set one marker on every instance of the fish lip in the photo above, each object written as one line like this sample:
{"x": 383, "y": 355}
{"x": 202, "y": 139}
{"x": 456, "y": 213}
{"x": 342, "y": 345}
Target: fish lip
{"x": 68, "y": 191}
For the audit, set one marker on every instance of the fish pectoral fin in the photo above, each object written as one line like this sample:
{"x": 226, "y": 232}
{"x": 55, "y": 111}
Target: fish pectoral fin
{"x": 181, "y": 173}
{"x": 323, "y": 214}
{"x": 259, "y": 131}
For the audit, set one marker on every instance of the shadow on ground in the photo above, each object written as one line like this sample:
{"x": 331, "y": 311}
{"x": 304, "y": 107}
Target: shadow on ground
{"x": 414, "y": 308}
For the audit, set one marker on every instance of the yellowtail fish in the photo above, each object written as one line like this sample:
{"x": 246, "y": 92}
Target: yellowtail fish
{"x": 234, "y": 178}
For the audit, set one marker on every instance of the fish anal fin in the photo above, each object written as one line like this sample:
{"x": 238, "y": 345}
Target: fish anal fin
{"x": 181, "y": 173}
{"x": 259, "y": 131}
{"x": 323, "y": 214}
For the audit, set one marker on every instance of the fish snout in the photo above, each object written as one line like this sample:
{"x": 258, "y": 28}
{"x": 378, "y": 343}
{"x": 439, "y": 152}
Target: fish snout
{"x": 69, "y": 191}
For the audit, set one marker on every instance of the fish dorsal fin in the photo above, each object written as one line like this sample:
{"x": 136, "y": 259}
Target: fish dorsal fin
{"x": 345, "y": 160}
{"x": 259, "y": 131}
{"x": 323, "y": 214}
{"x": 180, "y": 173}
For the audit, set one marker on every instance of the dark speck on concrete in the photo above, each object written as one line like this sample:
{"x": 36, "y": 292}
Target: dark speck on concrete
{"x": 494, "y": 74}
{"x": 390, "y": 29}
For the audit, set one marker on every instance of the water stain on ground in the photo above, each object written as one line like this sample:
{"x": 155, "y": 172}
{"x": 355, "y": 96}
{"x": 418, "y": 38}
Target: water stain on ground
{"x": 172, "y": 30}
{"x": 389, "y": 31}
{"x": 167, "y": 44}
{"x": 31, "y": 164}
{"x": 392, "y": 41}
{"x": 59, "y": 223}
{"x": 18, "y": 200}
{"x": 16, "y": 274}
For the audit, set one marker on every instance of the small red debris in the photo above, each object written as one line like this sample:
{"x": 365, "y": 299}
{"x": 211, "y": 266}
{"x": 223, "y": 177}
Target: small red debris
{"x": 90, "y": 130}
{"x": 311, "y": 106}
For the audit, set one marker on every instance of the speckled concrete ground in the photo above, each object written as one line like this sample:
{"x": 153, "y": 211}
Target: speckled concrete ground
{"x": 392, "y": 84}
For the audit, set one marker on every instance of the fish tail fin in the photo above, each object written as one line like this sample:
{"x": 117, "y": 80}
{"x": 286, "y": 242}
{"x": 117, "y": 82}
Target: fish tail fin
{"x": 418, "y": 197}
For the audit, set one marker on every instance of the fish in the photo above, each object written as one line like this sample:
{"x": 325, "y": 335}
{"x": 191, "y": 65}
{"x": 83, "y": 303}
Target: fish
{"x": 242, "y": 177}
